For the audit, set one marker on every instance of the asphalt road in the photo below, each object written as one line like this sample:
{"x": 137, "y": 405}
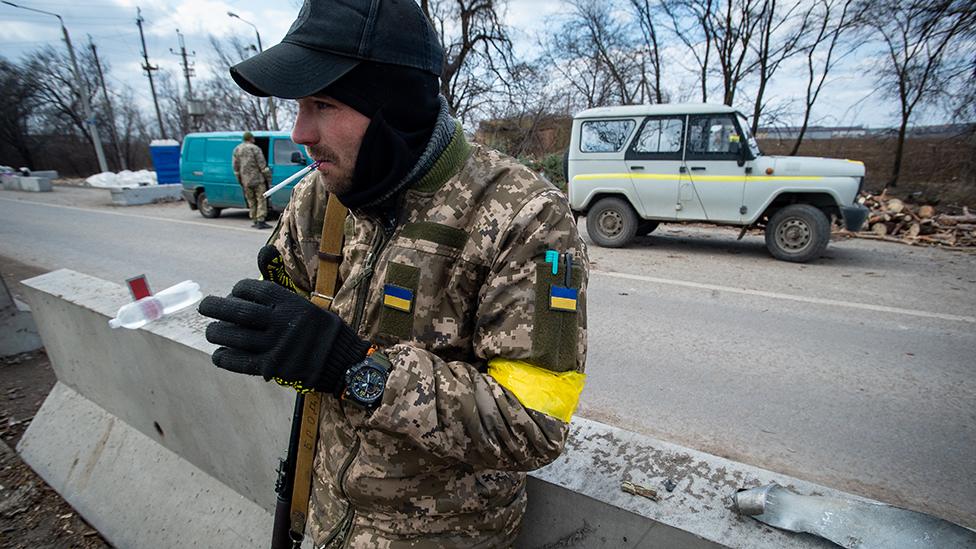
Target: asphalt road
{"x": 856, "y": 371}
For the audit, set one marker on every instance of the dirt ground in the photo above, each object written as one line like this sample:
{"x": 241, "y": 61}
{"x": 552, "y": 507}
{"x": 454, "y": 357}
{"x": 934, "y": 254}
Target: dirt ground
{"x": 32, "y": 515}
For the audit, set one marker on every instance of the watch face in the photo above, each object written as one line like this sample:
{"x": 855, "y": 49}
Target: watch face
{"x": 367, "y": 384}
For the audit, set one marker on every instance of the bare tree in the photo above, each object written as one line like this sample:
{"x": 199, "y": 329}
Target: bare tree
{"x": 835, "y": 18}
{"x": 783, "y": 27}
{"x": 732, "y": 32}
{"x": 15, "y": 110}
{"x": 646, "y": 15}
{"x": 920, "y": 39}
{"x": 478, "y": 56}
{"x": 50, "y": 73}
{"x": 692, "y": 22}
{"x": 228, "y": 106}
{"x": 595, "y": 55}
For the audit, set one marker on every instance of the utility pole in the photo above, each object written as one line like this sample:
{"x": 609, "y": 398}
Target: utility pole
{"x": 81, "y": 89}
{"x": 191, "y": 106}
{"x": 187, "y": 68}
{"x": 149, "y": 70}
{"x": 108, "y": 105}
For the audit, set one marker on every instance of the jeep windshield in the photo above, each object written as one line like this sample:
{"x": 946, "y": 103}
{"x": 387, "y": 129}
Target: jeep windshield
{"x": 747, "y": 133}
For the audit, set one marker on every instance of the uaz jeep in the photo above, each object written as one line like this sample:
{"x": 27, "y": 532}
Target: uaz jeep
{"x": 631, "y": 168}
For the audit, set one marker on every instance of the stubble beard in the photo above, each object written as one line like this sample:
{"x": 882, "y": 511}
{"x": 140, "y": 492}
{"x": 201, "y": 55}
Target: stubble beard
{"x": 336, "y": 179}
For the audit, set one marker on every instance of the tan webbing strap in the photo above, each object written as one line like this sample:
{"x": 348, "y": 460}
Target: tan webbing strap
{"x": 326, "y": 285}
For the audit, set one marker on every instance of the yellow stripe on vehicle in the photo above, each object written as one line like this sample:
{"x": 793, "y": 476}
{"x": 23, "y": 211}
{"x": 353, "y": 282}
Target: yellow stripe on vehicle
{"x": 683, "y": 177}
{"x": 555, "y": 394}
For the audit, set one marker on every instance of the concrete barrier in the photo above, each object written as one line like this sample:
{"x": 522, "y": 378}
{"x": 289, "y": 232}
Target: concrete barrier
{"x": 24, "y": 183}
{"x": 18, "y": 334}
{"x": 156, "y": 447}
{"x": 146, "y": 195}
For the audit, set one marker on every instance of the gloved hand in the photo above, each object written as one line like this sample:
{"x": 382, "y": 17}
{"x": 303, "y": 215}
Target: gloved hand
{"x": 267, "y": 330}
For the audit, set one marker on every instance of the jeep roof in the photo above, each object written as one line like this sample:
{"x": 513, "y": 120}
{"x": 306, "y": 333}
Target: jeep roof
{"x": 647, "y": 110}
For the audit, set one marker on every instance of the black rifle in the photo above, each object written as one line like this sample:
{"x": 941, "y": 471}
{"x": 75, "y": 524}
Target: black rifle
{"x": 281, "y": 537}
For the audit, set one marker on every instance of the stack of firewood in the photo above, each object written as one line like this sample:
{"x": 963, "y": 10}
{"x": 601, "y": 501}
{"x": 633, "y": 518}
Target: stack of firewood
{"x": 893, "y": 220}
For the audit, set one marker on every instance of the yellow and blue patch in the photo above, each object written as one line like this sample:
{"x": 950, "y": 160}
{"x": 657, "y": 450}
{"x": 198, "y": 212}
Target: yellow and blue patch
{"x": 562, "y": 299}
{"x": 396, "y": 297}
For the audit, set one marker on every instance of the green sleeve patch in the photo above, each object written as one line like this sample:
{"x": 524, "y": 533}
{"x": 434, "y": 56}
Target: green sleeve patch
{"x": 394, "y": 320}
{"x": 436, "y": 233}
{"x": 556, "y": 330}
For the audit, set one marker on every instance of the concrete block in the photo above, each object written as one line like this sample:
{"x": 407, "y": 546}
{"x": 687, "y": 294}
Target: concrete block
{"x": 160, "y": 381}
{"x": 45, "y": 174}
{"x": 35, "y": 184}
{"x": 134, "y": 491}
{"x": 10, "y": 182}
{"x": 158, "y": 448}
{"x": 146, "y": 195}
{"x": 18, "y": 333}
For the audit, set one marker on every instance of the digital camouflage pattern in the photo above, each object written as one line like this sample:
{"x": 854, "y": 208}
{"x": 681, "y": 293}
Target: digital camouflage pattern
{"x": 249, "y": 165}
{"x": 441, "y": 462}
{"x": 252, "y": 172}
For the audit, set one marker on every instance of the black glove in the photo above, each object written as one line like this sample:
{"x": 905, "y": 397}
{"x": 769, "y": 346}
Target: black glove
{"x": 270, "y": 331}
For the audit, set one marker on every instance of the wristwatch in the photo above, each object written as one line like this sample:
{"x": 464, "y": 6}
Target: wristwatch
{"x": 366, "y": 380}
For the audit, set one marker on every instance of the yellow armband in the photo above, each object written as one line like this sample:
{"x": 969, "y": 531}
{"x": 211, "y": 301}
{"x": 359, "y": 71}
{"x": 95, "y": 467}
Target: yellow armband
{"x": 555, "y": 394}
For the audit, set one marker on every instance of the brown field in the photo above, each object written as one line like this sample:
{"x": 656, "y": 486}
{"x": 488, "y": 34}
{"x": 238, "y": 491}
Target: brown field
{"x": 937, "y": 170}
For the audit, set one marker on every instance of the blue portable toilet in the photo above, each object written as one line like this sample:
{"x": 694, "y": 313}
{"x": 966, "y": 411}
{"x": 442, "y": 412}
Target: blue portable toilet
{"x": 166, "y": 160}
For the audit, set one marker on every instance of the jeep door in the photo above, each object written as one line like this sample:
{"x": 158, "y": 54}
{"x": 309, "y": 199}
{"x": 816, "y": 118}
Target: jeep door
{"x": 713, "y": 190}
{"x": 654, "y": 162}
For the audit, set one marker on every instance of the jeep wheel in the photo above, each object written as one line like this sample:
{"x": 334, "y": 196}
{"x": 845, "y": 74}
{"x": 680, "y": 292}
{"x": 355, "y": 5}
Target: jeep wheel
{"x": 206, "y": 210}
{"x": 611, "y": 223}
{"x": 797, "y": 233}
{"x": 645, "y": 228}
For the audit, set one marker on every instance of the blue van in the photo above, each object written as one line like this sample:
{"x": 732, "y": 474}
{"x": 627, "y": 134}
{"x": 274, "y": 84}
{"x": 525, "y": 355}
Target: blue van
{"x": 208, "y": 178}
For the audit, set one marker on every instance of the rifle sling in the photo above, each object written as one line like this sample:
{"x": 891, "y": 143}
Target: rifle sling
{"x": 326, "y": 284}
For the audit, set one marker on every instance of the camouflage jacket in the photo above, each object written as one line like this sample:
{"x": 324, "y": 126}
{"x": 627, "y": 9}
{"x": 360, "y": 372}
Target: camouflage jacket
{"x": 486, "y": 370}
{"x": 249, "y": 165}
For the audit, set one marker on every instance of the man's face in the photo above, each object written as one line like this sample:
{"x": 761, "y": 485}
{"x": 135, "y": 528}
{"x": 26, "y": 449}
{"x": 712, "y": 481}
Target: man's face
{"x": 331, "y": 132}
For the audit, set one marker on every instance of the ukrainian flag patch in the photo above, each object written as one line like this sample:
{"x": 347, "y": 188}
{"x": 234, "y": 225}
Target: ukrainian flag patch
{"x": 562, "y": 299}
{"x": 396, "y": 297}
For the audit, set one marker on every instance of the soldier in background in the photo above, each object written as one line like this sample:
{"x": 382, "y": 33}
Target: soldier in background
{"x": 456, "y": 344}
{"x": 252, "y": 173}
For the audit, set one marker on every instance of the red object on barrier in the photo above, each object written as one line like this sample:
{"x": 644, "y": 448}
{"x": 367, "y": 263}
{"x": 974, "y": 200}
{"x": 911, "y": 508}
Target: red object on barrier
{"x": 139, "y": 287}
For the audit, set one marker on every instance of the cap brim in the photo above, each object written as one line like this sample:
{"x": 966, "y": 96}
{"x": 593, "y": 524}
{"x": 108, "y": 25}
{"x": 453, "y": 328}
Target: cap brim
{"x": 290, "y": 71}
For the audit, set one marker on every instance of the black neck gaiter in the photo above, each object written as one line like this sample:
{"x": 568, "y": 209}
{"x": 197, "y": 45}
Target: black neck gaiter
{"x": 403, "y": 105}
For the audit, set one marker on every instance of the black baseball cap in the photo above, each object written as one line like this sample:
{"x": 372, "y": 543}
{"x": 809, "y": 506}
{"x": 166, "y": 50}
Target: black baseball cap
{"x": 330, "y": 37}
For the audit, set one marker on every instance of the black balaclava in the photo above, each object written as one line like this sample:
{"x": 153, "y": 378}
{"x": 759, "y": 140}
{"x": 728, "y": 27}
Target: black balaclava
{"x": 403, "y": 105}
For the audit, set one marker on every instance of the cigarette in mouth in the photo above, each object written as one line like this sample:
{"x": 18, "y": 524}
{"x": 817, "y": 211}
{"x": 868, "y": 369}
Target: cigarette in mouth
{"x": 299, "y": 174}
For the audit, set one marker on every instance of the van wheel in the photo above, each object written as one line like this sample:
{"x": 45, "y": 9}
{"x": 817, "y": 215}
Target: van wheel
{"x": 645, "y": 228}
{"x": 206, "y": 210}
{"x": 797, "y": 233}
{"x": 611, "y": 223}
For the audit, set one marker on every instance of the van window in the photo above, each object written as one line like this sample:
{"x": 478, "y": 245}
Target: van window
{"x": 196, "y": 150}
{"x": 282, "y": 151}
{"x": 712, "y": 135}
{"x": 605, "y": 135}
{"x": 221, "y": 150}
{"x": 660, "y": 135}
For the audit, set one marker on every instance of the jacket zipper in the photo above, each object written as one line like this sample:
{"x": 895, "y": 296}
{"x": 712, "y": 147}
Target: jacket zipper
{"x": 361, "y": 284}
{"x": 343, "y": 525}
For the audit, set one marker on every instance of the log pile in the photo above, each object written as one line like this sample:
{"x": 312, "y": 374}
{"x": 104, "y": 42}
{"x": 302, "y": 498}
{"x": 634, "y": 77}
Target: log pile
{"x": 893, "y": 220}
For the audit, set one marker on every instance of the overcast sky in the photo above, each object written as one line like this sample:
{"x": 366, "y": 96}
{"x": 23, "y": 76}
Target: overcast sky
{"x": 848, "y": 99}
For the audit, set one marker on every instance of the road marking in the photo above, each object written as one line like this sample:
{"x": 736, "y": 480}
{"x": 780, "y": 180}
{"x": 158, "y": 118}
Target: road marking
{"x": 788, "y": 297}
{"x": 120, "y": 214}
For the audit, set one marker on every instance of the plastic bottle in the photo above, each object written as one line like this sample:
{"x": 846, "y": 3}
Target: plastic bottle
{"x": 139, "y": 313}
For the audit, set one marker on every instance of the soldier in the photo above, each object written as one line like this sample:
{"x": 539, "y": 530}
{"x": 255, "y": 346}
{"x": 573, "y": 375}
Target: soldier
{"x": 252, "y": 173}
{"x": 463, "y": 292}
